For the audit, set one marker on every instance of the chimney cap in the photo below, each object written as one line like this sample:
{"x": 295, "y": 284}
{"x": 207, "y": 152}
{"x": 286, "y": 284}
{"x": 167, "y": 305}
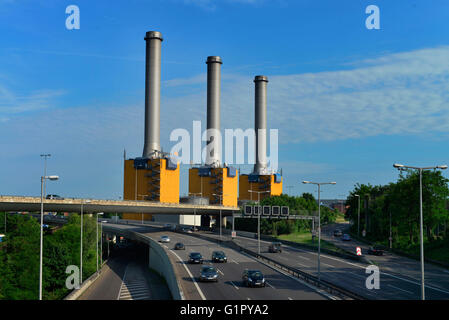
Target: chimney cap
{"x": 261, "y": 78}
{"x": 211, "y": 59}
{"x": 153, "y": 35}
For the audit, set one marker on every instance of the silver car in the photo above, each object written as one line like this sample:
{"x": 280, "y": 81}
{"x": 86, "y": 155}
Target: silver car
{"x": 164, "y": 239}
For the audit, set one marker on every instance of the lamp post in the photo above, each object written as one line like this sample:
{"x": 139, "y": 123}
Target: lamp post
{"x": 81, "y": 245}
{"x": 319, "y": 184}
{"x": 43, "y": 178}
{"x": 98, "y": 213}
{"x": 420, "y": 169}
{"x": 143, "y": 198}
{"x": 194, "y": 209}
{"x": 221, "y": 203}
{"x": 258, "y": 216}
{"x": 45, "y": 156}
{"x": 358, "y": 216}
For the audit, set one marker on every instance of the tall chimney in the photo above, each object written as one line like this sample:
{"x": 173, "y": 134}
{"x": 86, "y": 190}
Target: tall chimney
{"x": 152, "y": 148}
{"x": 260, "y": 124}
{"x": 213, "y": 110}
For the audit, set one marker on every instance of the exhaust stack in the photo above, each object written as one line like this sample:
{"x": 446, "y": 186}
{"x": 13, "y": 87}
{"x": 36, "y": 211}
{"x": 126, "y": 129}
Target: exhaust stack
{"x": 152, "y": 148}
{"x": 213, "y": 111}
{"x": 260, "y": 124}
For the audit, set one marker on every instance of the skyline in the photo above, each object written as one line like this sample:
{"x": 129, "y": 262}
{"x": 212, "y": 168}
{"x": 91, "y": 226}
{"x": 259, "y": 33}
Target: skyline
{"x": 348, "y": 102}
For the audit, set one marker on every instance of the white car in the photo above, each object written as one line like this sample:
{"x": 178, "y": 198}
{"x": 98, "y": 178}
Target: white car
{"x": 164, "y": 239}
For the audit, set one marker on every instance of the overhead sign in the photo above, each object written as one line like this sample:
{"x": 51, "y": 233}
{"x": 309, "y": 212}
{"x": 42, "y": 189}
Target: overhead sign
{"x": 266, "y": 210}
{"x": 248, "y": 210}
{"x": 257, "y": 210}
{"x": 275, "y": 210}
{"x": 284, "y": 211}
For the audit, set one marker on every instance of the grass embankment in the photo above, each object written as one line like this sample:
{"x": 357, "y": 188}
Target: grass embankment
{"x": 305, "y": 237}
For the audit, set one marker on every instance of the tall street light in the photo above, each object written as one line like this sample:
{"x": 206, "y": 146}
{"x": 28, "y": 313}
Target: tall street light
{"x": 258, "y": 216}
{"x": 45, "y": 156}
{"x": 221, "y": 203}
{"x": 194, "y": 209}
{"x": 81, "y": 246}
{"x": 319, "y": 184}
{"x": 358, "y": 216}
{"x": 98, "y": 213}
{"x": 43, "y": 178}
{"x": 420, "y": 169}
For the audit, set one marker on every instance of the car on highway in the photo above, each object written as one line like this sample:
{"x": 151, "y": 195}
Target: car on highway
{"x": 208, "y": 273}
{"x": 187, "y": 230}
{"x": 338, "y": 233}
{"x": 54, "y": 197}
{"x": 346, "y": 237}
{"x": 164, "y": 239}
{"x": 219, "y": 256}
{"x": 253, "y": 278}
{"x": 167, "y": 226}
{"x": 180, "y": 246}
{"x": 375, "y": 250}
{"x": 195, "y": 257}
{"x": 275, "y": 247}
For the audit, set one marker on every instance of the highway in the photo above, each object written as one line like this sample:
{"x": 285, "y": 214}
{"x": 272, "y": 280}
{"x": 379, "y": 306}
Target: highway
{"x": 350, "y": 274}
{"x": 126, "y": 277}
{"x": 280, "y": 286}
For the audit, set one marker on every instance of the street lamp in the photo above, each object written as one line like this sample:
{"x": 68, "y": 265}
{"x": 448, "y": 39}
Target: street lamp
{"x": 258, "y": 216}
{"x": 81, "y": 245}
{"x": 43, "y": 178}
{"x": 319, "y": 184}
{"x": 358, "y": 216}
{"x": 45, "y": 156}
{"x": 420, "y": 169}
{"x": 194, "y": 209}
{"x": 221, "y": 203}
{"x": 98, "y": 213}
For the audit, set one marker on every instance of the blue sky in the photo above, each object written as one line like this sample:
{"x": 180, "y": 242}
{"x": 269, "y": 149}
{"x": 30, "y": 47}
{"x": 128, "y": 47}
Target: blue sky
{"x": 348, "y": 101}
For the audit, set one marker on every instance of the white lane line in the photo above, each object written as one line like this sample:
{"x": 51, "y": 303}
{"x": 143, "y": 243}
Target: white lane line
{"x": 248, "y": 298}
{"x": 400, "y": 289}
{"x": 234, "y": 261}
{"x": 123, "y": 281}
{"x": 302, "y": 265}
{"x": 325, "y": 264}
{"x": 219, "y": 271}
{"x": 190, "y": 275}
{"x": 303, "y": 258}
{"x": 270, "y": 285}
{"x": 234, "y": 285}
{"x": 289, "y": 298}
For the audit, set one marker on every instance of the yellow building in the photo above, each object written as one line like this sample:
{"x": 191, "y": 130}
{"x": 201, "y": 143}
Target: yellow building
{"x": 152, "y": 180}
{"x": 213, "y": 182}
{"x": 271, "y": 183}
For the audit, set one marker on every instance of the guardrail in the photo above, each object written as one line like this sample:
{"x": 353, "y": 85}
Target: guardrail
{"x": 322, "y": 284}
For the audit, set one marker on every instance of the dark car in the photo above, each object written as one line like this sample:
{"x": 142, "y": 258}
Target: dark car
{"x": 346, "y": 237}
{"x": 219, "y": 256}
{"x": 375, "y": 250}
{"x": 208, "y": 273}
{"x": 338, "y": 233}
{"x": 180, "y": 246}
{"x": 275, "y": 247}
{"x": 253, "y": 278}
{"x": 54, "y": 197}
{"x": 195, "y": 257}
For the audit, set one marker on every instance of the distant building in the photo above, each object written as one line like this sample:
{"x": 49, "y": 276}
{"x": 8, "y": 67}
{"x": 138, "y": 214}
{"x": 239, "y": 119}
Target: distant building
{"x": 339, "y": 204}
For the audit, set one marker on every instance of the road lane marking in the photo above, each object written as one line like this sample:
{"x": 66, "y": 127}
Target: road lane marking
{"x": 302, "y": 265}
{"x": 289, "y": 298}
{"x": 124, "y": 275}
{"x": 270, "y": 285}
{"x": 234, "y": 285}
{"x": 303, "y": 258}
{"x": 325, "y": 264}
{"x": 220, "y": 272}
{"x": 400, "y": 289}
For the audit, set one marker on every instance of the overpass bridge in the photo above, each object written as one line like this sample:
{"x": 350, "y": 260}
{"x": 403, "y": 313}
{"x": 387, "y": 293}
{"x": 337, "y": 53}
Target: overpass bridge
{"x": 33, "y": 204}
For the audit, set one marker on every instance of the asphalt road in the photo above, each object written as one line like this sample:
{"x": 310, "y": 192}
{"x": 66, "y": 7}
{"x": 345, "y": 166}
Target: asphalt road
{"x": 229, "y": 287}
{"x": 352, "y": 275}
{"x": 126, "y": 277}
{"x": 403, "y": 267}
